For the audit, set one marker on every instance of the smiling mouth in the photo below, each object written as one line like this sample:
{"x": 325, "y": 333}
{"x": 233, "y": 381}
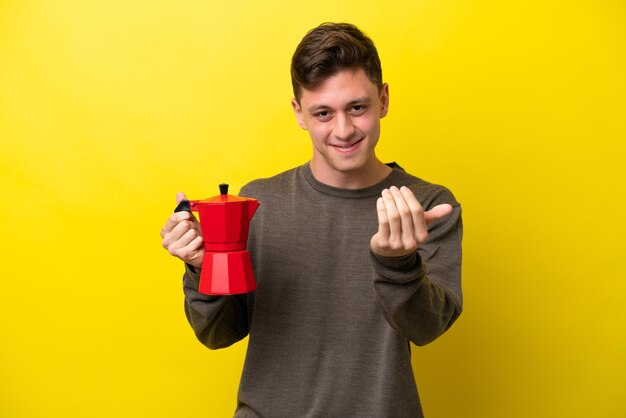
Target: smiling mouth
{"x": 347, "y": 148}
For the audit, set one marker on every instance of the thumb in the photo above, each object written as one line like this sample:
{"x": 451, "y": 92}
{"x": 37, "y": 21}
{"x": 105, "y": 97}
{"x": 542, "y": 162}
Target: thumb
{"x": 180, "y": 196}
{"x": 437, "y": 212}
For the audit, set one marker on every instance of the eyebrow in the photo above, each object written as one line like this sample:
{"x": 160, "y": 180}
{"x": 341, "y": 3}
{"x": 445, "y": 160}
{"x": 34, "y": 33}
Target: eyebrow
{"x": 360, "y": 100}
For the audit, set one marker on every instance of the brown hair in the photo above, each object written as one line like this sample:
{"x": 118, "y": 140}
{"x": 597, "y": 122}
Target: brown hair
{"x": 328, "y": 49}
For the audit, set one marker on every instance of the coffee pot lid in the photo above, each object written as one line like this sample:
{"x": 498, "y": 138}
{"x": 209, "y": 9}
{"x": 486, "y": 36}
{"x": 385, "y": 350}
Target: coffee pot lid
{"x": 223, "y": 197}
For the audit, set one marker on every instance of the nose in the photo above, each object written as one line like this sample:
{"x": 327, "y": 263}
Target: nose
{"x": 343, "y": 129}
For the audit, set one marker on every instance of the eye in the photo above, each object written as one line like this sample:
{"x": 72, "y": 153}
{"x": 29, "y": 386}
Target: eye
{"x": 358, "y": 109}
{"x": 322, "y": 115}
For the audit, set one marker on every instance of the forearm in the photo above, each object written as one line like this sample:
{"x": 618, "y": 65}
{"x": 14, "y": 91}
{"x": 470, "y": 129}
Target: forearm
{"x": 421, "y": 294}
{"x": 416, "y": 306}
{"x": 218, "y": 321}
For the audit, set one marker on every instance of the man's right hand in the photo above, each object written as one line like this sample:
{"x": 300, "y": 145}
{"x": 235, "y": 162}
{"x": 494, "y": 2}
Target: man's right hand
{"x": 182, "y": 236}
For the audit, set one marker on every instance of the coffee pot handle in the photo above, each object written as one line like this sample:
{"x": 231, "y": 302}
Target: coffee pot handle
{"x": 183, "y": 206}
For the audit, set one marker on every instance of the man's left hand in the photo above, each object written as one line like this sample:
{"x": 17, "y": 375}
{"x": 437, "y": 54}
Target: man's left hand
{"x": 402, "y": 222}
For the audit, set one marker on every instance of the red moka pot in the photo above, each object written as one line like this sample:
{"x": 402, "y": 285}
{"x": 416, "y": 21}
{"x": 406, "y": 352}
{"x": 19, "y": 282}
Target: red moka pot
{"x": 224, "y": 220}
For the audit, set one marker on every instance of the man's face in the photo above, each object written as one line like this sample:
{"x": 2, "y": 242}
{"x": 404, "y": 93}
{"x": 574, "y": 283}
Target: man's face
{"x": 343, "y": 119}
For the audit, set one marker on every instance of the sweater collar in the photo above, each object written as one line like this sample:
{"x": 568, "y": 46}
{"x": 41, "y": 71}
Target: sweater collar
{"x": 374, "y": 190}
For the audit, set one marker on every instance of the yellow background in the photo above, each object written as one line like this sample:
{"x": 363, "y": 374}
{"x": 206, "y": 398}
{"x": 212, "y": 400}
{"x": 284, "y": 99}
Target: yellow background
{"x": 107, "y": 109}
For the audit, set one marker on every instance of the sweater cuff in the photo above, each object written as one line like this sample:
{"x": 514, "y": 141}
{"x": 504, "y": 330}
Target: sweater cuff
{"x": 193, "y": 274}
{"x": 399, "y": 269}
{"x": 404, "y": 262}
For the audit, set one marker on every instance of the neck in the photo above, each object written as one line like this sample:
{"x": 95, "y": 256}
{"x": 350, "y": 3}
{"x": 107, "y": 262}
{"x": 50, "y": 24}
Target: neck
{"x": 373, "y": 173}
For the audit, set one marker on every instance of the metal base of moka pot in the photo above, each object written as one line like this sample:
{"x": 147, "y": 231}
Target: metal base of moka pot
{"x": 226, "y": 273}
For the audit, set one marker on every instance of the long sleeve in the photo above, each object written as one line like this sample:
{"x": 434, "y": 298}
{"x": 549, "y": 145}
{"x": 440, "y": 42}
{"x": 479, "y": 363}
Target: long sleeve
{"x": 420, "y": 294}
{"x": 218, "y": 321}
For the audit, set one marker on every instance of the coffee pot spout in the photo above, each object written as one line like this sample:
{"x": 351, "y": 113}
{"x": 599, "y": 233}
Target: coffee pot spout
{"x": 253, "y": 205}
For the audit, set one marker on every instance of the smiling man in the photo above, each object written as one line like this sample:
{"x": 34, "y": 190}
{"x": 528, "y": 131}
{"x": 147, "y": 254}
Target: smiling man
{"x": 354, "y": 258}
{"x": 342, "y": 116}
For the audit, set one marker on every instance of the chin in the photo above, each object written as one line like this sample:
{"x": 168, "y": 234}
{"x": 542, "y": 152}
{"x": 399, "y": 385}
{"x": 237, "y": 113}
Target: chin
{"x": 350, "y": 166}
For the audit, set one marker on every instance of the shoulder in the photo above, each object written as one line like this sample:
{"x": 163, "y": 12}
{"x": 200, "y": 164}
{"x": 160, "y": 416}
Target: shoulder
{"x": 271, "y": 185}
{"x": 429, "y": 194}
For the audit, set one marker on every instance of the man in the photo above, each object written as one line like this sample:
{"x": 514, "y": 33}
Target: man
{"x": 353, "y": 258}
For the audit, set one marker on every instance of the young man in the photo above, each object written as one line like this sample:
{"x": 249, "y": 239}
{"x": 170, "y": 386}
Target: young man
{"x": 353, "y": 258}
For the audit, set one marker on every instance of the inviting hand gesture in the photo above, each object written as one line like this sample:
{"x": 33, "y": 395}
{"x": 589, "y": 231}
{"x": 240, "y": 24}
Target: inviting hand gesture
{"x": 402, "y": 222}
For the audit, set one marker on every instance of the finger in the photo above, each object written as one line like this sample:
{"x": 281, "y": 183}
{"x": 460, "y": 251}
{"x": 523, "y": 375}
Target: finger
{"x": 196, "y": 252}
{"x": 192, "y": 253}
{"x": 380, "y": 241}
{"x": 409, "y": 233}
{"x": 180, "y": 196}
{"x": 182, "y": 228}
{"x": 174, "y": 220}
{"x": 187, "y": 238}
{"x": 417, "y": 214}
{"x": 383, "y": 220}
{"x": 171, "y": 238}
{"x": 197, "y": 246}
{"x": 393, "y": 216}
{"x": 438, "y": 212}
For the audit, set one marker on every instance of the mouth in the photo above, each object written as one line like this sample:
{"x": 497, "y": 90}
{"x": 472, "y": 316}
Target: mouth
{"x": 347, "y": 148}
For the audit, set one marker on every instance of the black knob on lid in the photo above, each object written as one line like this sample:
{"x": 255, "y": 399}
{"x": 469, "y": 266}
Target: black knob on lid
{"x": 223, "y": 188}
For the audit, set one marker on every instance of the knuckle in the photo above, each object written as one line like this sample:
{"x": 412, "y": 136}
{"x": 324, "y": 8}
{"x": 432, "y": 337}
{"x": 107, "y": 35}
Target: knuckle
{"x": 167, "y": 240}
{"x": 189, "y": 253}
{"x": 379, "y": 242}
{"x": 395, "y": 244}
{"x": 410, "y": 243}
{"x": 185, "y": 252}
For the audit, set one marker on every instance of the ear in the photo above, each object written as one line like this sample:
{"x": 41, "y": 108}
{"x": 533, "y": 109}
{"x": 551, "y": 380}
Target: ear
{"x": 298, "y": 112}
{"x": 384, "y": 100}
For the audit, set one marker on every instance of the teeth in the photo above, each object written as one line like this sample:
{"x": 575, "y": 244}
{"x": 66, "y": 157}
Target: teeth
{"x": 347, "y": 147}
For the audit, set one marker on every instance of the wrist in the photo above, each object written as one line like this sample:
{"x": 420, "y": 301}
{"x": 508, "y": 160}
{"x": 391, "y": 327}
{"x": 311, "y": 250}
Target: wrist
{"x": 400, "y": 262}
